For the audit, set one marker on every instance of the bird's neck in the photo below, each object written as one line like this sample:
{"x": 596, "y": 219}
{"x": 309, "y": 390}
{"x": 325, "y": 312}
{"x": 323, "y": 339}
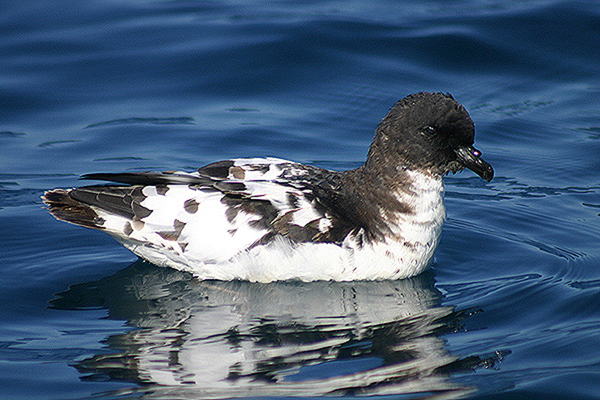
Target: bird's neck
{"x": 396, "y": 196}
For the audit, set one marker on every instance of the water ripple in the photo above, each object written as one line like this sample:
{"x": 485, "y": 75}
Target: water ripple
{"x": 142, "y": 121}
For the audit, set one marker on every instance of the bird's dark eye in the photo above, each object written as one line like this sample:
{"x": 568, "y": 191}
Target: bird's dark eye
{"x": 428, "y": 131}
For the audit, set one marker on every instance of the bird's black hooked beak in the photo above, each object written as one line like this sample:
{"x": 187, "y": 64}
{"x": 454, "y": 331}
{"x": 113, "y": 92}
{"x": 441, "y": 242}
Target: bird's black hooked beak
{"x": 470, "y": 158}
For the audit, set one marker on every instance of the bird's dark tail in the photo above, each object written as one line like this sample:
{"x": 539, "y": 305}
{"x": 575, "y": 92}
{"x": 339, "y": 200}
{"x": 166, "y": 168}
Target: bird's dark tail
{"x": 65, "y": 208}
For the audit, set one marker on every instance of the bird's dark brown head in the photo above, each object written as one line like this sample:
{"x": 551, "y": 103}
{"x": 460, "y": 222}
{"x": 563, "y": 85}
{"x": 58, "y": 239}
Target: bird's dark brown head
{"x": 429, "y": 131}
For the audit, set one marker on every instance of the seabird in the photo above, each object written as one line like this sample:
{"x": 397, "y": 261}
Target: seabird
{"x": 268, "y": 219}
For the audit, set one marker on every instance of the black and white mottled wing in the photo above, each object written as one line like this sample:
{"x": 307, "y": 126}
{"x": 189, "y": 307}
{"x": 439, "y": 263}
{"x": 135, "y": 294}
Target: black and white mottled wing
{"x": 210, "y": 215}
{"x": 294, "y": 200}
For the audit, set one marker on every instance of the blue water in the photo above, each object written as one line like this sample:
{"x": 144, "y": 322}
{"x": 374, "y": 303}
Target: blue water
{"x": 511, "y": 306}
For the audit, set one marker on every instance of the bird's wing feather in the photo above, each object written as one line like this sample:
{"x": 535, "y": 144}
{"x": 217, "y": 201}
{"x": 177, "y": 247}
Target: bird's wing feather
{"x": 273, "y": 196}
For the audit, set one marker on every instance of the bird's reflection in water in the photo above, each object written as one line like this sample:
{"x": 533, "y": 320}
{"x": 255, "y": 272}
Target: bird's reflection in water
{"x": 210, "y": 339}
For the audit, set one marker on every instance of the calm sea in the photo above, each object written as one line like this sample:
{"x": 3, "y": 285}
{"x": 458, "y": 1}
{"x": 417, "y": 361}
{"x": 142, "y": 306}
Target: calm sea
{"x": 511, "y": 306}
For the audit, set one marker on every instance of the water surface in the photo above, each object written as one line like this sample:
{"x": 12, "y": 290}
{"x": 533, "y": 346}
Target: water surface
{"x": 509, "y": 308}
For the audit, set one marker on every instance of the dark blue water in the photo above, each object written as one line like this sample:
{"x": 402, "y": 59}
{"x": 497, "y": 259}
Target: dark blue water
{"x": 511, "y": 307}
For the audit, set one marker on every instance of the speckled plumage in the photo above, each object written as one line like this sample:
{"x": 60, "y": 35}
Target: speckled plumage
{"x": 271, "y": 219}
